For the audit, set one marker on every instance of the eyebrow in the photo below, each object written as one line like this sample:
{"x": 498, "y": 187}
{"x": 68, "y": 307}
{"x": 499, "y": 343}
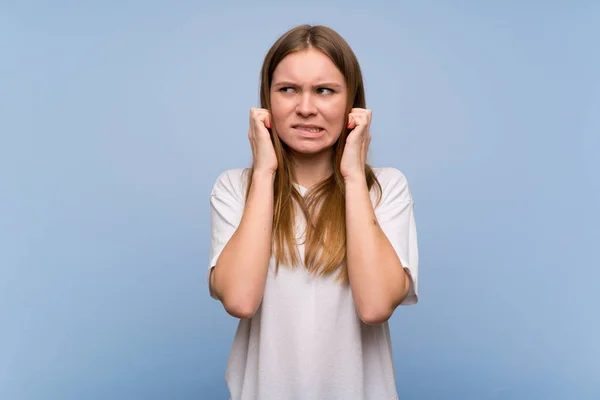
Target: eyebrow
{"x": 321, "y": 84}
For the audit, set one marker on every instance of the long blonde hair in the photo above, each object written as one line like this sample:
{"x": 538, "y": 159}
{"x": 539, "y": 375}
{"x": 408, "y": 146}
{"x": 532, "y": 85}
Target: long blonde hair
{"x": 324, "y": 205}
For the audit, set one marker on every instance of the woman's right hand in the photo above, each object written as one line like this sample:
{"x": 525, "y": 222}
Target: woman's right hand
{"x": 263, "y": 153}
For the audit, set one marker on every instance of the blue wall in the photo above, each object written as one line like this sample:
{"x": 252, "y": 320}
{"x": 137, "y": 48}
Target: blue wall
{"x": 117, "y": 117}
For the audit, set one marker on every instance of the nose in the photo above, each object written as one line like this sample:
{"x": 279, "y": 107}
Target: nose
{"x": 306, "y": 106}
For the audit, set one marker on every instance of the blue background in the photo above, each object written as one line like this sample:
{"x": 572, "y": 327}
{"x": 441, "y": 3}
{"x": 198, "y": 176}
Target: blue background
{"x": 117, "y": 117}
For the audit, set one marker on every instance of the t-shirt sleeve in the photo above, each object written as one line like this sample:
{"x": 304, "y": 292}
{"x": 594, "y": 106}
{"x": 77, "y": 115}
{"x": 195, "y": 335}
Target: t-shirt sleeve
{"x": 226, "y": 210}
{"x": 395, "y": 214}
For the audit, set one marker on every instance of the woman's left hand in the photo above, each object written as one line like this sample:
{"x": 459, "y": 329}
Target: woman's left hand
{"x": 357, "y": 144}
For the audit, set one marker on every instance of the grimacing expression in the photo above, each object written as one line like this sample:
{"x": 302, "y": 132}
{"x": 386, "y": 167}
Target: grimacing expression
{"x": 308, "y": 101}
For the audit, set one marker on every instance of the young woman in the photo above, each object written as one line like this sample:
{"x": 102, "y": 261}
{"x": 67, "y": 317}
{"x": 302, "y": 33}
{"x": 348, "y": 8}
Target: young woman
{"x": 312, "y": 248}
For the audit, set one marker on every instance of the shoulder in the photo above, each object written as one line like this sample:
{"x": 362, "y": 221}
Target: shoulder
{"x": 231, "y": 183}
{"x": 394, "y": 185}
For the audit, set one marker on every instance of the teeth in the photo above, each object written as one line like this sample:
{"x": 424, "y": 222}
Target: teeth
{"x": 305, "y": 128}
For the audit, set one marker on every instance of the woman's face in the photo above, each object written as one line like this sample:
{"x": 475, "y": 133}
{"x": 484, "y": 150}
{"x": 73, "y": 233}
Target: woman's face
{"x": 308, "y": 101}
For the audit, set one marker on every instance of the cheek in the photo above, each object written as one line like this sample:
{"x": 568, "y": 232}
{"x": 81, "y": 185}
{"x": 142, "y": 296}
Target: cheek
{"x": 280, "y": 110}
{"x": 335, "y": 114}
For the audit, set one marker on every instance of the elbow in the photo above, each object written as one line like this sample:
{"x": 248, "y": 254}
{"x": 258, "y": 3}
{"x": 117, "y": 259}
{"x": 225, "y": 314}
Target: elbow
{"x": 239, "y": 308}
{"x": 237, "y": 305}
{"x": 374, "y": 315}
{"x": 378, "y": 311}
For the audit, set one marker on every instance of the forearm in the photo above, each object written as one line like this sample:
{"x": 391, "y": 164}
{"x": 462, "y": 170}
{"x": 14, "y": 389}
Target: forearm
{"x": 241, "y": 271}
{"x": 377, "y": 277}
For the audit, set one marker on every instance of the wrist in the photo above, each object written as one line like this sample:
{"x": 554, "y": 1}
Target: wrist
{"x": 263, "y": 177}
{"x": 356, "y": 179}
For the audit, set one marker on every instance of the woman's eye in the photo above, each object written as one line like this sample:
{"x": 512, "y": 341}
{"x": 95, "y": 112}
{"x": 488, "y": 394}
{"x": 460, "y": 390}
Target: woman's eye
{"x": 286, "y": 90}
{"x": 324, "y": 91}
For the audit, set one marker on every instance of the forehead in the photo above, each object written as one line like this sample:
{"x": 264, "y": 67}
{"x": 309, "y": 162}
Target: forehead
{"x": 307, "y": 66}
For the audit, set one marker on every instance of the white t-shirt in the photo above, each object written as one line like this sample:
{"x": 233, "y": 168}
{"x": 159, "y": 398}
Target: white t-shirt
{"x": 306, "y": 341}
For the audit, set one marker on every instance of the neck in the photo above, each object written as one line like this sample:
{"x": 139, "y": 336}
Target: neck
{"x": 310, "y": 169}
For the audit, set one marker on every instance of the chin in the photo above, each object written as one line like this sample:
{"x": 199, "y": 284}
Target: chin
{"x": 310, "y": 152}
{"x": 310, "y": 148}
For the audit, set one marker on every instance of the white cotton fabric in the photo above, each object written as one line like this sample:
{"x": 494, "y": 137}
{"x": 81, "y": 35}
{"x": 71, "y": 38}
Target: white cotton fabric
{"x": 306, "y": 341}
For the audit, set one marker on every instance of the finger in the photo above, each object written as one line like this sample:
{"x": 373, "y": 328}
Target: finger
{"x": 351, "y": 124}
{"x": 259, "y": 118}
{"x": 265, "y": 117}
{"x": 354, "y": 119}
{"x": 357, "y": 120}
{"x": 361, "y": 111}
{"x": 257, "y": 112}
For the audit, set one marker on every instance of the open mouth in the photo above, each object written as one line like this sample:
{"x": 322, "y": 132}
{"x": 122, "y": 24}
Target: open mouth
{"x": 308, "y": 128}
